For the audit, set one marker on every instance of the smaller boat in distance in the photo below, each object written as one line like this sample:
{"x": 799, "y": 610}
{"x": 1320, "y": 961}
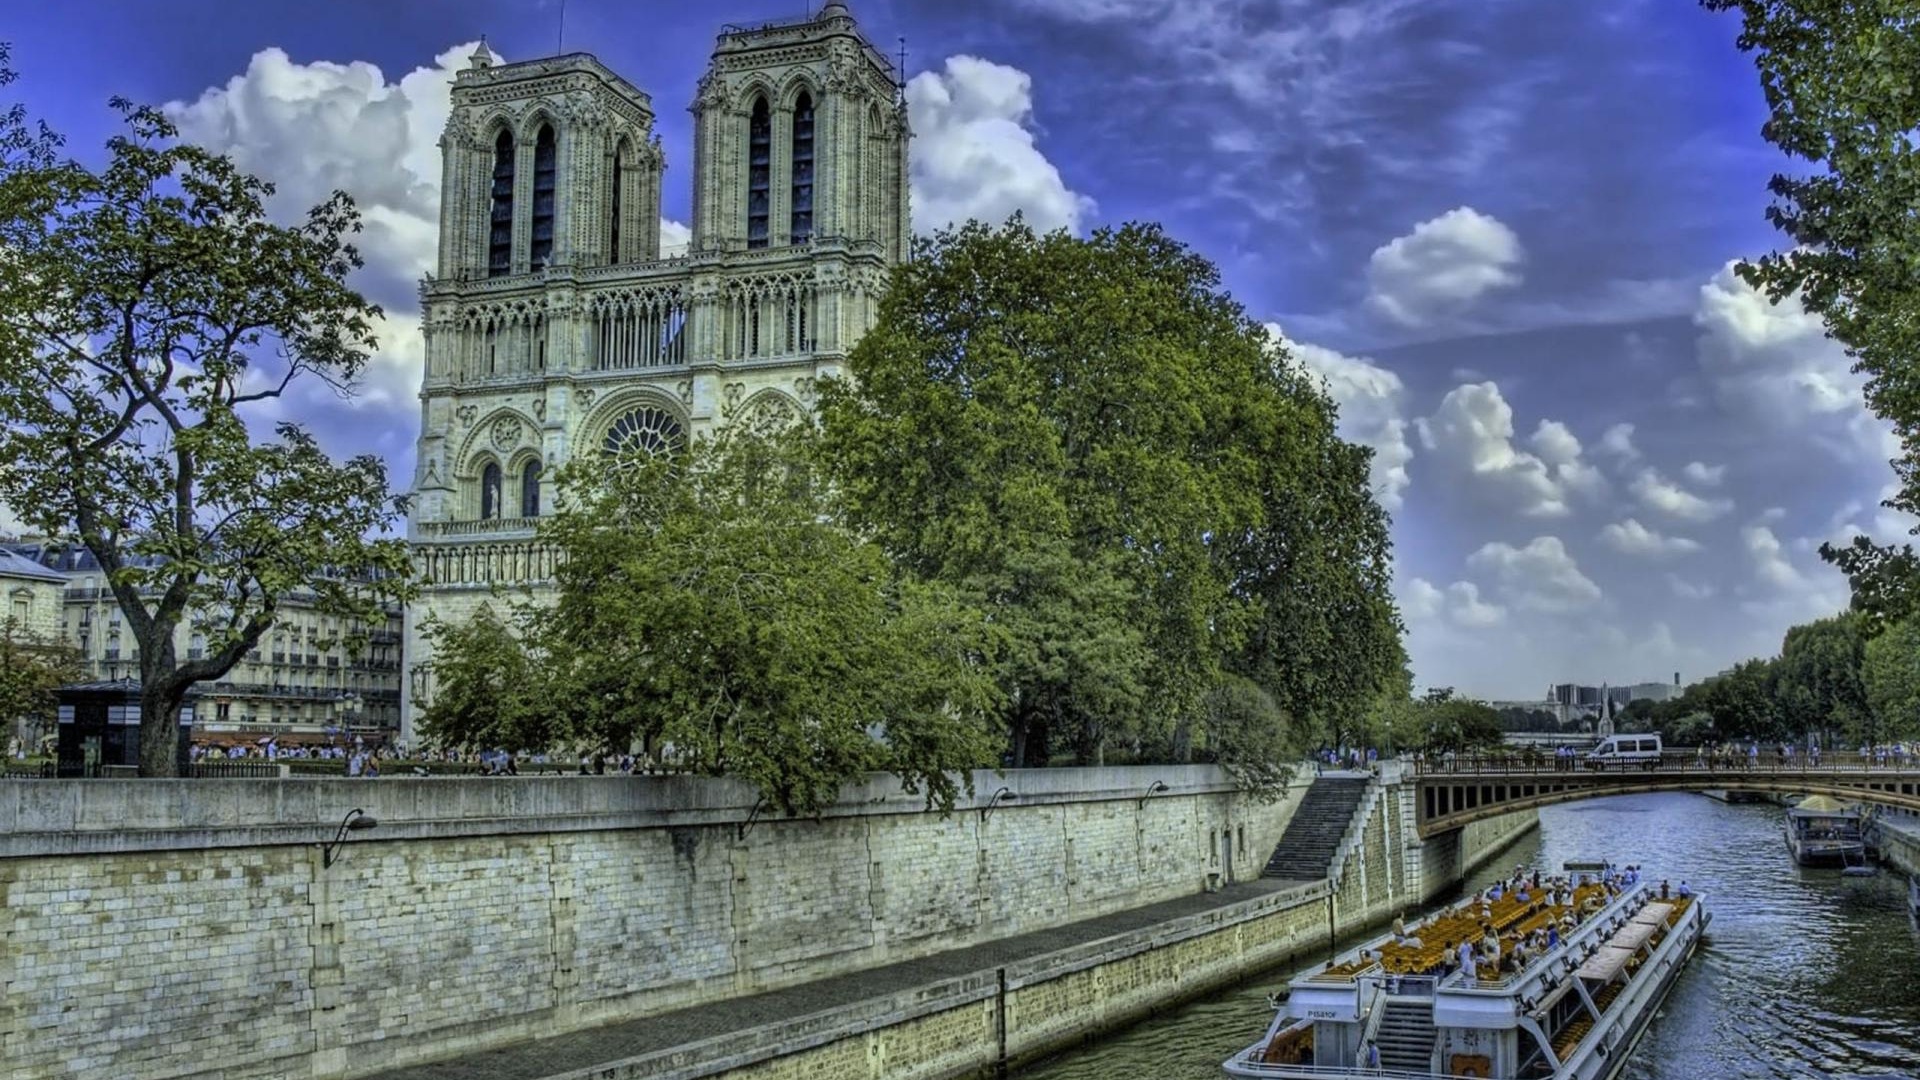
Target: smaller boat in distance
{"x": 1821, "y": 831}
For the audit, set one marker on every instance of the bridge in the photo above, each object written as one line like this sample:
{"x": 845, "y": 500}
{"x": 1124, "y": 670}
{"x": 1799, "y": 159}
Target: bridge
{"x": 1471, "y": 787}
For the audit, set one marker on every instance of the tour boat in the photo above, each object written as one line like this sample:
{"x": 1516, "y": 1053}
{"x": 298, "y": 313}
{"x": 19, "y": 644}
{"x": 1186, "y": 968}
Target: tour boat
{"x": 1821, "y": 831}
{"x": 1573, "y": 1011}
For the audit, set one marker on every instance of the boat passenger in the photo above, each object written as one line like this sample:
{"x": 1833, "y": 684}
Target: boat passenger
{"x": 1553, "y": 938}
{"x": 1399, "y": 926}
{"x": 1466, "y": 956}
{"x": 1684, "y": 891}
{"x": 1665, "y": 891}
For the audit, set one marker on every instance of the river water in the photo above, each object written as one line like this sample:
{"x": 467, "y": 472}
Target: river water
{"x": 1805, "y": 973}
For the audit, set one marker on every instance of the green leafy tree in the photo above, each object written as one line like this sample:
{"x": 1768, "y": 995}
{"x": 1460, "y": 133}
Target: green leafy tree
{"x": 711, "y": 609}
{"x": 1251, "y": 736}
{"x": 1838, "y": 80}
{"x": 1885, "y": 581}
{"x": 1091, "y": 440}
{"x": 32, "y": 667}
{"x": 492, "y": 689}
{"x": 143, "y": 308}
{"x": 1742, "y": 703}
{"x": 1891, "y": 673}
{"x": 1817, "y": 687}
{"x": 1457, "y": 723}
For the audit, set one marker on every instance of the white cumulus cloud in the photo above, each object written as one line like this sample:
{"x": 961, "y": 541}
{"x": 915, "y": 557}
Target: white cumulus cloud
{"x": 1541, "y": 576}
{"x": 1472, "y": 433}
{"x": 1371, "y": 400}
{"x": 1690, "y": 590}
{"x": 1656, "y": 492}
{"x": 975, "y": 154}
{"x": 1617, "y": 442}
{"x": 1770, "y": 562}
{"x": 1442, "y": 267}
{"x": 1773, "y": 364}
{"x": 1701, "y": 473}
{"x": 1459, "y": 604}
{"x": 1629, "y": 537}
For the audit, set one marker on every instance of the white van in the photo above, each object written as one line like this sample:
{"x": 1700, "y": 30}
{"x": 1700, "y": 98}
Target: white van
{"x": 1625, "y": 751}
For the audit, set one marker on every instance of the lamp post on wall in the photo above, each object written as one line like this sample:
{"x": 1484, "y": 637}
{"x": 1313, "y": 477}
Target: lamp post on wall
{"x": 1003, "y": 795}
{"x": 357, "y": 820}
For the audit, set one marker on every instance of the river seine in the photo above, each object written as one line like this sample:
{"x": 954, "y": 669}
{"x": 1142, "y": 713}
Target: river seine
{"x": 1804, "y": 974}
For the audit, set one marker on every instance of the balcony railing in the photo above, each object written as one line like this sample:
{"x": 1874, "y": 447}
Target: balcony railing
{"x": 489, "y": 527}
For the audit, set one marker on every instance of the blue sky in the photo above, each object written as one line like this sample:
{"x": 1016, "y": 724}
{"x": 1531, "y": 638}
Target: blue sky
{"x": 1501, "y": 230}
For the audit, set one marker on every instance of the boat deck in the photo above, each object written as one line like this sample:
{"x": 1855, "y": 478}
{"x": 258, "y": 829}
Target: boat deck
{"x": 1512, "y": 918}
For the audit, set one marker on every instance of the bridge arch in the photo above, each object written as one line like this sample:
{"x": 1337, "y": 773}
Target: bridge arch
{"x": 1449, "y": 799}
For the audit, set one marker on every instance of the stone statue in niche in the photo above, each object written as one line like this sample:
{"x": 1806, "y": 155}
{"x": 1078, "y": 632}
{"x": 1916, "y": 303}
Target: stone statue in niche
{"x": 586, "y": 396}
{"x": 734, "y": 391}
{"x": 685, "y": 389}
{"x": 803, "y": 389}
{"x": 540, "y": 409}
{"x": 466, "y": 413}
{"x": 506, "y": 432}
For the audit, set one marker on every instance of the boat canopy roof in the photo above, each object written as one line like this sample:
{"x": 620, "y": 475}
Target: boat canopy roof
{"x": 1654, "y": 914}
{"x": 1822, "y": 805}
{"x": 1603, "y": 965}
{"x": 1594, "y": 865}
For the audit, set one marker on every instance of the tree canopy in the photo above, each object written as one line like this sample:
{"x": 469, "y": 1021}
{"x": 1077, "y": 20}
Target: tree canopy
{"x": 32, "y": 668}
{"x": 712, "y": 611}
{"x": 144, "y": 307}
{"x": 1838, "y": 81}
{"x": 1091, "y": 442}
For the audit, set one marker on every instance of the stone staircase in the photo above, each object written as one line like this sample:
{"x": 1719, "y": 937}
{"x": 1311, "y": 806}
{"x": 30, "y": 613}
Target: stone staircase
{"x": 1306, "y": 850}
{"x": 1405, "y": 1036}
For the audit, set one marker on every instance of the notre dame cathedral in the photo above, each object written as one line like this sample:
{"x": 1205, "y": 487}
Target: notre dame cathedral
{"x": 554, "y": 327}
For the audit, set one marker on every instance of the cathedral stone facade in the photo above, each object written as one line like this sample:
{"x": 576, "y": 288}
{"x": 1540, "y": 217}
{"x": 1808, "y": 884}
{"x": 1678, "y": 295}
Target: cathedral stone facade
{"x": 554, "y": 328}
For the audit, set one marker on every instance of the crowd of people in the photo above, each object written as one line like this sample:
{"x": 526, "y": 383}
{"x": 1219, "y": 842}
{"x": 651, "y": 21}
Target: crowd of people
{"x": 1502, "y": 929}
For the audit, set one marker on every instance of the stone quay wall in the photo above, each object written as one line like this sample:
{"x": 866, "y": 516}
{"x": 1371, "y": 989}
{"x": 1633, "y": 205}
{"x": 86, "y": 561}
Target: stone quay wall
{"x": 978, "y": 1024}
{"x": 191, "y": 928}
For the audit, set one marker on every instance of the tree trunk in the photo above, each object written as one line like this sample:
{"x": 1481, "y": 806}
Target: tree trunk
{"x": 160, "y": 700}
{"x": 1018, "y": 731}
{"x": 160, "y": 731}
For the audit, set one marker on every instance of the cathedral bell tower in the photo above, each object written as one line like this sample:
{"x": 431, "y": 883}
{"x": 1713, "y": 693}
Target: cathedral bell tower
{"x": 800, "y": 136}
{"x": 554, "y": 329}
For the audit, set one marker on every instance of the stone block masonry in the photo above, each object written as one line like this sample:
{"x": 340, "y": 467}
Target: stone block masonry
{"x": 189, "y": 928}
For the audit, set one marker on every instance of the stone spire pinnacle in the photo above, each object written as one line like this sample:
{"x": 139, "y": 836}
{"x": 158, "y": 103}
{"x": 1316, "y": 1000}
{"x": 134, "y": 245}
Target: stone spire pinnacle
{"x": 835, "y": 9}
{"x": 482, "y": 56}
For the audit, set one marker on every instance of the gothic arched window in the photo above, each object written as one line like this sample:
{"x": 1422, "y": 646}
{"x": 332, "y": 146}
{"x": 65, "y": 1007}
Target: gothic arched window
{"x": 500, "y": 234}
{"x": 801, "y": 229}
{"x": 530, "y": 490}
{"x": 759, "y": 173}
{"x": 647, "y": 428}
{"x": 490, "y": 492}
{"x": 543, "y": 175}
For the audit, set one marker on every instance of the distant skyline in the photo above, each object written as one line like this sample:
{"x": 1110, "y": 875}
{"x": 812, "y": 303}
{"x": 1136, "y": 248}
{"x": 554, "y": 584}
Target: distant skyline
{"x": 1502, "y": 231}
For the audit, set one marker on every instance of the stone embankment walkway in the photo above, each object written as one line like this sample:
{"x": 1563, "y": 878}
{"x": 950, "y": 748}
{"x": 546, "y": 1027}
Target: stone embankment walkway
{"x": 578, "y": 1052}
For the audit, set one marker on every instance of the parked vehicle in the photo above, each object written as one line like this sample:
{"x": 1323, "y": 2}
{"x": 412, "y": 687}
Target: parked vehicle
{"x": 1625, "y": 751}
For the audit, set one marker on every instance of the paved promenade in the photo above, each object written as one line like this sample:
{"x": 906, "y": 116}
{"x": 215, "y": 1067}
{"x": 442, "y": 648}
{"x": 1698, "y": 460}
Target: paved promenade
{"x": 562, "y": 1055}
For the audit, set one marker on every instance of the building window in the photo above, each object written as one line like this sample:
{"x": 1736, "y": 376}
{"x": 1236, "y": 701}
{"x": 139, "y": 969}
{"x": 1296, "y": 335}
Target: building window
{"x": 801, "y": 229}
{"x": 197, "y": 647}
{"x": 500, "y": 238}
{"x": 759, "y": 173}
{"x": 648, "y": 429}
{"x": 613, "y": 237}
{"x": 490, "y": 492}
{"x": 543, "y": 171}
{"x": 22, "y": 611}
{"x": 530, "y": 490}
